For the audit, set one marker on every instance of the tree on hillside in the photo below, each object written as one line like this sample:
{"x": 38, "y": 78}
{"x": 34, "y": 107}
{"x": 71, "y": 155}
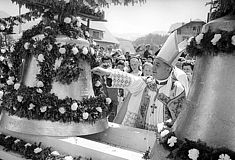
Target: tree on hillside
{"x": 155, "y": 40}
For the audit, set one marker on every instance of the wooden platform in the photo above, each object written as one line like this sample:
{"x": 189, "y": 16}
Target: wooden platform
{"x": 9, "y": 155}
{"x": 116, "y": 143}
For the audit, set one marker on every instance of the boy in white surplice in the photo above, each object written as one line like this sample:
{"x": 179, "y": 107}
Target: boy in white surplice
{"x": 151, "y": 100}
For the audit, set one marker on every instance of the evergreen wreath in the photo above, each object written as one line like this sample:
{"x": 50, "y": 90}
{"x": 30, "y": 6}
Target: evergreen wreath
{"x": 33, "y": 151}
{"x": 57, "y": 62}
{"x": 187, "y": 149}
{"x": 222, "y": 8}
{"x": 212, "y": 43}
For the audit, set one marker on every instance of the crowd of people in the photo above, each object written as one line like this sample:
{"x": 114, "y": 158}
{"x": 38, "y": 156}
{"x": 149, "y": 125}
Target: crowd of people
{"x": 139, "y": 64}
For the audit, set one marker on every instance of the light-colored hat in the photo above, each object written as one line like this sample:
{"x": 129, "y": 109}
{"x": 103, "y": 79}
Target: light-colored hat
{"x": 170, "y": 50}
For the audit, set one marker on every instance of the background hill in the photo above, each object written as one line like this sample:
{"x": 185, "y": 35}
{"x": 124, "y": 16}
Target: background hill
{"x": 155, "y": 40}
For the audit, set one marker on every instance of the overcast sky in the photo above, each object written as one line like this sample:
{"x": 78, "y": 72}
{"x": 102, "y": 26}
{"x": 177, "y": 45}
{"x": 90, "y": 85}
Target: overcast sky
{"x": 155, "y": 15}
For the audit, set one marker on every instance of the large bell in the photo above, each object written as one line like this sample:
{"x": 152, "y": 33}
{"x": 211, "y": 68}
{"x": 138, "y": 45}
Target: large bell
{"x": 78, "y": 90}
{"x": 82, "y": 88}
{"x": 210, "y": 107}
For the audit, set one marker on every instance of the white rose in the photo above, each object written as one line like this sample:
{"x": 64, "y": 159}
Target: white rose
{"x": 164, "y": 133}
{"x": 39, "y": 90}
{"x": 10, "y": 82}
{"x": 23, "y": 20}
{"x": 11, "y": 78}
{"x": 199, "y": 37}
{"x": 79, "y": 23}
{"x": 57, "y": 63}
{"x": 16, "y": 22}
{"x": 16, "y": 86}
{"x": 37, "y": 150}
{"x": 85, "y": 115}
{"x": 49, "y": 47}
{"x": 149, "y": 80}
{"x": 31, "y": 106}
{"x": 67, "y": 20}
{"x": 68, "y": 158}
{"x": 56, "y": 17}
{"x": 233, "y": 40}
{"x": 97, "y": 84}
{"x": 62, "y": 50}
{"x": 85, "y": 50}
{"x": 46, "y": 10}
{"x": 40, "y": 84}
{"x": 9, "y": 64}
{"x": 48, "y": 27}
{"x": 224, "y": 157}
{"x": 92, "y": 51}
{"x": 1, "y": 58}
{"x": 62, "y": 110}
{"x": 171, "y": 141}
{"x": 26, "y": 45}
{"x": 3, "y": 50}
{"x": 12, "y": 48}
{"x": 160, "y": 127}
{"x": 75, "y": 50}
{"x": 87, "y": 34}
{"x": 189, "y": 40}
{"x": 94, "y": 43}
{"x": 169, "y": 121}
{"x": 216, "y": 39}
{"x": 108, "y": 100}
{"x": 19, "y": 98}
{"x": 55, "y": 153}
{"x": 28, "y": 144}
{"x": 96, "y": 10}
{"x": 16, "y": 141}
{"x": 193, "y": 154}
{"x": 74, "y": 106}
{"x": 99, "y": 109}
{"x": 43, "y": 109}
{"x": 41, "y": 58}
{"x": 2, "y": 27}
{"x": 1, "y": 94}
{"x": 66, "y": 1}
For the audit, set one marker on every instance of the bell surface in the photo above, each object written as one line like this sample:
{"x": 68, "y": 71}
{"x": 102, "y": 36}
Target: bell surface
{"x": 79, "y": 89}
{"x": 210, "y": 107}
{"x": 82, "y": 88}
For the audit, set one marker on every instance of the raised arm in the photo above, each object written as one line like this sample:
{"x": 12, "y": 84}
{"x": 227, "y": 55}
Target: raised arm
{"x": 118, "y": 79}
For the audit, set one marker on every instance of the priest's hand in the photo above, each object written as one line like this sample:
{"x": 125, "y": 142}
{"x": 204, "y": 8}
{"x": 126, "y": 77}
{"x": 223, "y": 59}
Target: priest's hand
{"x": 101, "y": 71}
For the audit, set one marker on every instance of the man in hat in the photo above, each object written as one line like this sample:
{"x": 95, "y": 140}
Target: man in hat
{"x": 147, "y": 51}
{"x": 150, "y": 100}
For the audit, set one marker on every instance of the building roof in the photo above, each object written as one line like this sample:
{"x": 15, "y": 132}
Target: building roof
{"x": 108, "y": 37}
{"x": 97, "y": 25}
{"x": 176, "y": 26}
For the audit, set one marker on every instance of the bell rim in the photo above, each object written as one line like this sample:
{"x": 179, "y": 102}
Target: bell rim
{"x": 49, "y": 128}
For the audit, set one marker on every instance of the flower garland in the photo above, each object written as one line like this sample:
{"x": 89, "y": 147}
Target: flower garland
{"x": 212, "y": 43}
{"x": 33, "y": 151}
{"x": 56, "y": 62}
{"x": 222, "y": 8}
{"x": 6, "y": 24}
{"x": 187, "y": 149}
{"x": 33, "y": 103}
{"x": 67, "y": 7}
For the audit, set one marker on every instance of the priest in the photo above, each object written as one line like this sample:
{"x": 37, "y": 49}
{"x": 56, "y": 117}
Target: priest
{"x": 151, "y": 100}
